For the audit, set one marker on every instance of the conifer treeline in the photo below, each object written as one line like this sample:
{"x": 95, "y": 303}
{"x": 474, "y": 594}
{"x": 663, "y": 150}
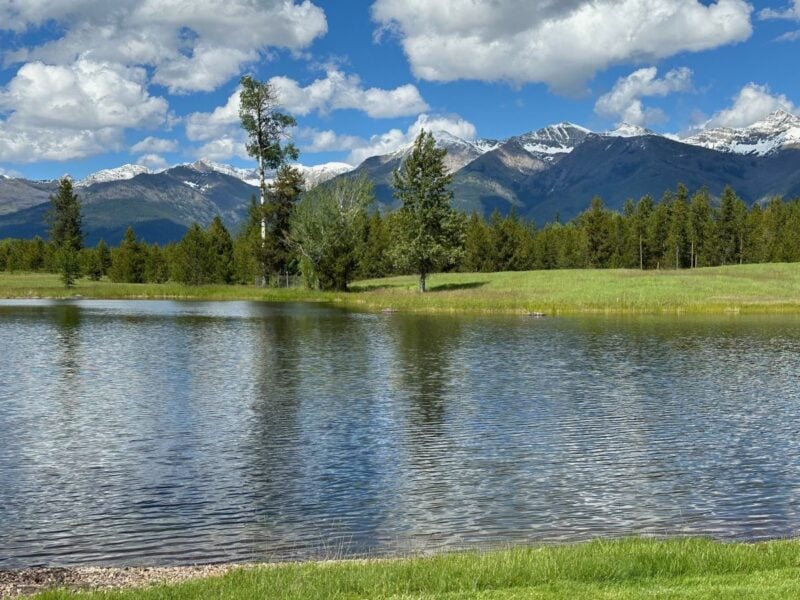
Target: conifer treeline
{"x": 678, "y": 231}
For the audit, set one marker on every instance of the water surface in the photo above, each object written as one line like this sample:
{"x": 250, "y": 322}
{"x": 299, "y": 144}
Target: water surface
{"x": 175, "y": 432}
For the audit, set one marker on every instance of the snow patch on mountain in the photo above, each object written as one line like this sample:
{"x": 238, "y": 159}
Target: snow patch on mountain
{"x": 779, "y": 130}
{"x": 553, "y": 141}
{"x": 627, "y": 130}
{"x": 116, "y": 174}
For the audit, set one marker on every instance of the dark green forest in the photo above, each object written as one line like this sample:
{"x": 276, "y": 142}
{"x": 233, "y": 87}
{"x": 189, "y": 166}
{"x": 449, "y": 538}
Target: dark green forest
{"x": 678, "y": 231}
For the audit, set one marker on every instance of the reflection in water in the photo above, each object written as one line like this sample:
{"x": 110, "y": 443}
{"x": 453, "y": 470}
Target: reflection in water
{"x": 166, "y": 432}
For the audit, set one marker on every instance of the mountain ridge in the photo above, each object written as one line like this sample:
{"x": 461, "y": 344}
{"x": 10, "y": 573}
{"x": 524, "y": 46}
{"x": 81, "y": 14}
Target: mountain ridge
{"x": 554, "y": 170}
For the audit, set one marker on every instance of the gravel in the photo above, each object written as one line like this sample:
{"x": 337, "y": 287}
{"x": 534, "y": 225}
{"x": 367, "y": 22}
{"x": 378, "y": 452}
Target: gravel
{"x": 30, "y": 581}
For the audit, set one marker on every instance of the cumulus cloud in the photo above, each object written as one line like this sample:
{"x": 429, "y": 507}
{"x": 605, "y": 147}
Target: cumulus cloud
{"x": 558, "y": 42}
{"x": 154, "y": 162}
{"x": 624, "y": 101}
{"x": 191, "y": 46}
{"x": 751, "y": 104}
{"x": 790, "y": 12}
{"x": 60, "y": 112}
{"x": 338, "y": 90}
{"x": 204, "y": 126}
{"x": 152, "y": 144}
{"x": 383, "y": 143}
{"x": 223, "y": 148}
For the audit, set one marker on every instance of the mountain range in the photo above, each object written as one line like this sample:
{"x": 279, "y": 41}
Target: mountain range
{"x": 544, "y": 174}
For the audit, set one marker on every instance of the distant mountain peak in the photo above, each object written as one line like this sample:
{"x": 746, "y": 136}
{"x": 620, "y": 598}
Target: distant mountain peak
{"x": 629, "y": 130}
{"x": 778, "y": 130}
{"x": 116, "y": 174}
{"x": 553, "y": 141}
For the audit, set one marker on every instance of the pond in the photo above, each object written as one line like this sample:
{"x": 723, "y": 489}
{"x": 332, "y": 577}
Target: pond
{"x": 160, "y": 432}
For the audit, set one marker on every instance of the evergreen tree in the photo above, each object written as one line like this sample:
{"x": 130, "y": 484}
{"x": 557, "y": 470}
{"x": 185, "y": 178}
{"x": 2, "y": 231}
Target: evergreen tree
{"x": 104, "y": 257}
{"x": 700, "y": 228}
{"x": 730, "y": 227}
{"x": 597, "y": 227}
{"x": 428, "y": 237}
{"x": 644, "y": 210}
{"x": 65, "y": 230}
{"x": 283, "y": 193}
{"x": 266, "y": 129}
{"x": 477, "y": 247}
{"x": 374, "y": 261}
{"x": 678, "y": 236}
{"x": 193, "y": 263}
{"x": 220, "y": 248}
{"x": 128, "y": 260}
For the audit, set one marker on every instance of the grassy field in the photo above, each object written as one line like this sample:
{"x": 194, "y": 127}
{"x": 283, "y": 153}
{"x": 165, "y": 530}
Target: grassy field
{"x": 763, "y": 288}
{"x": 634, "y": 568}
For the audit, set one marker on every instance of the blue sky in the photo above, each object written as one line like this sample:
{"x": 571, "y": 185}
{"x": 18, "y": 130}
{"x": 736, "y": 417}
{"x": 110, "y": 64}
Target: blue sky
{"x": 84, "y": 86}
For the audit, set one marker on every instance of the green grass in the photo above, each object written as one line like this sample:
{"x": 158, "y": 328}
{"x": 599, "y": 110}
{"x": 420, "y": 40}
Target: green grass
{"x": 632, "y": 568}
{"x": 765, "y": 288}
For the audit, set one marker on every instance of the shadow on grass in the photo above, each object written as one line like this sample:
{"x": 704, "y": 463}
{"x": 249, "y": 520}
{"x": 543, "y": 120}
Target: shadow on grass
{"x": 470, "y": 285}
{"x": 443, "y": 287}
{"x": 357, "y": 288}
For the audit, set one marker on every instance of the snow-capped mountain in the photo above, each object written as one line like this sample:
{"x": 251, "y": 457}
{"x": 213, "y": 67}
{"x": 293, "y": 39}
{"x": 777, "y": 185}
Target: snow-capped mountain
{"x": 317, "y": 174}
{"x": 313, "y": 175}
{"x": 779, "y": 130}
{"x": 205, "y": 165}
{"x": 116, "y": 174}
{"x": 627, "y": 130}
{"x": 552, "y": 141}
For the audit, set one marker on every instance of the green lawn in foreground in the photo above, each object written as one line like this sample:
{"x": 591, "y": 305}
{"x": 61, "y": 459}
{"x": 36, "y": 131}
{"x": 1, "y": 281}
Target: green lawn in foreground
{"x": 634, "y": 568}
{"x": 747, "y": 288}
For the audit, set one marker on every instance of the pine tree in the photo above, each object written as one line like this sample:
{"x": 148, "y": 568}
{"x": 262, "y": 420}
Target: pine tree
{"x": 283, "y": 194}
{"x": 700, "y": 229}
{"x": 266, "y": 129}
{"x": 677, "y": 238}
{"x": 65, "y": 231}
{"x": 596, "y": 225}
{"x": 430, "y": 235}
{"x": 193, "y": 263}
{"x": 128, "y": 260}
{"x": 644, "y": 210}
{"x": 220, "y": 248}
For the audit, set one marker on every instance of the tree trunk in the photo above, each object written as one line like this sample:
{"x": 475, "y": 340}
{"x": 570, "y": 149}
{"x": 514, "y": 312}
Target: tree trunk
{"x": 263, "y": 188}
{"x": 691, "y": 257}
{"x": 422, "y": 287}
{"x": 641, "y": 254}
{"x": 677, "y": 258}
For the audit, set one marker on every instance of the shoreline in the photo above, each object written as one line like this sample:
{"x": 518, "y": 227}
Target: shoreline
{"x": 741, "y": 289}
{"x": 686, "y": 567}
{"x": 16, "y": 583}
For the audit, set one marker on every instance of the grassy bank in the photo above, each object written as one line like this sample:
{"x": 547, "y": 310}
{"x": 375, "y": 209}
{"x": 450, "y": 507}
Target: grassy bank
{"x": 634, "y": 568}
{"x": 748, "y": 289}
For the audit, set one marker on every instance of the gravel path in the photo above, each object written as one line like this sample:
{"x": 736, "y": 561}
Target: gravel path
{"x": 29, "y": 581}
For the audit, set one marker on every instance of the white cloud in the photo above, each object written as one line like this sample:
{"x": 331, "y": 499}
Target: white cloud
{"x": 223, "y": 148}
{"x": 152, "y": 161}
{"x": 339, "y": 91}
{"x": 789, "y": 36}
{"x": 60, "y": 112}
{"x": 388, "y": 142}
{"x": 751, "y": 104}
{"x": 205, "y": 126}
{"x": 192, "y": 45}
{"x": 558, "y": 42}
{"x": 790, "y": 12}
{"x": 154, "y": 145}
{"x": 624, "y": 101}
{"x": 328, "y": 141}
